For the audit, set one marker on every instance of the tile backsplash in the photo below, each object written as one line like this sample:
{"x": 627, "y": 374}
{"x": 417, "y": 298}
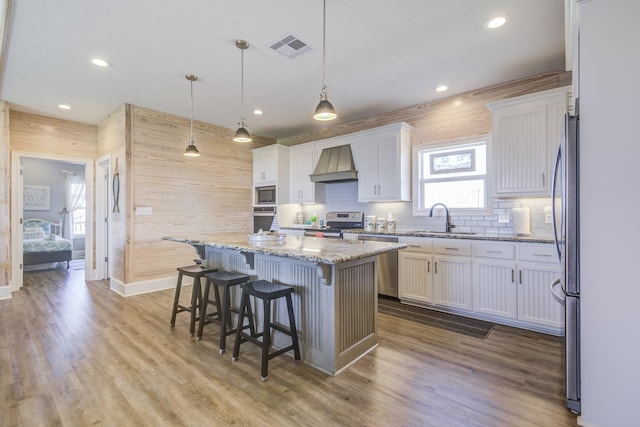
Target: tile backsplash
{"x": 342, "y": 196}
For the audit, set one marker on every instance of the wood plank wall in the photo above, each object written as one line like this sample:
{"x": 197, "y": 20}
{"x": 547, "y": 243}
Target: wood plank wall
{"x": 455, "y": 117}
{"x": 188, "y": 195}
{"x": 5, "y": 213}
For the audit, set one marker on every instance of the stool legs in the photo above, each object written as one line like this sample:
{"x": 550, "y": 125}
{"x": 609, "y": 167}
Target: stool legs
{"x": 226, "y": 319}
{"x": 266, "y": 340}
{"x": 205, "y": 303}
{"x": 196, "y": 299}
{"x": 176, "y": 299}
{"x": 292, "y": 327}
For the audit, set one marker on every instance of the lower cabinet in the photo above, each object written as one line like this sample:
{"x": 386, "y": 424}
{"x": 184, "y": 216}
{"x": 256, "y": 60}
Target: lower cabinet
{"x": 511, "y": 281}
{"x": 415, "y": 282}
{"x": 501, "y": 282}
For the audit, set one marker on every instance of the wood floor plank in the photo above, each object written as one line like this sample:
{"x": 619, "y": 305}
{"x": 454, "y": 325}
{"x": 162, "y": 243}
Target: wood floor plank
{"x": 74, "y": 353}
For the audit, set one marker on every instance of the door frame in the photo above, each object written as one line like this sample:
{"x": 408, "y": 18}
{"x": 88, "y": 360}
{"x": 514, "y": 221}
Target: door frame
{"x": 17, "y": 278}
{"x": 103, "y": 218}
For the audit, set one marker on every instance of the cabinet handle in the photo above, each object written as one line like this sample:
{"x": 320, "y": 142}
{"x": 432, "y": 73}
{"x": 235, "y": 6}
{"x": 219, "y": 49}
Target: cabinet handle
{"x": 375, "y": 190}
{"x": 428, "y": 266}
{"x": 435, "y": 265}
{"x": 452, "y": 249}
{"x": 414, "y": 246}
{"x": 494, "y": 252}
{"x": 520, "y": 274}
{"x": 513, "y": 277}
{"x": 379, "y": 191}
{"x": 543, "y": 182}
{"x": 543, "y": 255}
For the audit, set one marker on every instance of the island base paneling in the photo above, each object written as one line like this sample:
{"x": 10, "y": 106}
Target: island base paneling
{"x": 335, "y": 306}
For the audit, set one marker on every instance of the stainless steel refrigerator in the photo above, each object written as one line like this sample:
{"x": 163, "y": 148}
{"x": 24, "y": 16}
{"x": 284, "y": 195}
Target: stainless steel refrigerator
{"x": 566, "y": 224}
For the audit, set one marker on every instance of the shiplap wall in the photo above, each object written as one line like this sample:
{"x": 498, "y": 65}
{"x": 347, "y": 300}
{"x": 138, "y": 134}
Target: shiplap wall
{"x": 189, "y": 196}
{"x": 5, "y": 178}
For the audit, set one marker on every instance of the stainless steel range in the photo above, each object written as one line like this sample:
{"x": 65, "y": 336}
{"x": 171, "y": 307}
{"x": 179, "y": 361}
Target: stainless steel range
{"x": 336, "y": 222}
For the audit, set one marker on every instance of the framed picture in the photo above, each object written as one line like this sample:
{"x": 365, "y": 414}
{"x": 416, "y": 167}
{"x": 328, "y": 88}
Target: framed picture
{"x": 37, "y": 198}
{"x": 454, "y": 161}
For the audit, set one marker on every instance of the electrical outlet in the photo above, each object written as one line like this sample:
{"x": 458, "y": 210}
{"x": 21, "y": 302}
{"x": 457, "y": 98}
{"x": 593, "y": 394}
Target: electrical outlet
{"x": 503, "y": 218}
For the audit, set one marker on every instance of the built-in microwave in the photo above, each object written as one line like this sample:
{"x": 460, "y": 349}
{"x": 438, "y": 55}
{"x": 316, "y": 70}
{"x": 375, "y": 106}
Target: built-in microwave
{"x": 265, "y": 195}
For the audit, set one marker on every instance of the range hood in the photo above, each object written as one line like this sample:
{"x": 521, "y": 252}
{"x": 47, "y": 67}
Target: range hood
{"x": 335, "y": 164}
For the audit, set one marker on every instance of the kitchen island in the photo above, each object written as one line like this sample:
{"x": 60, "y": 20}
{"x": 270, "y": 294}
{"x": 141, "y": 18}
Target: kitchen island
{"x": 335, "y": 288}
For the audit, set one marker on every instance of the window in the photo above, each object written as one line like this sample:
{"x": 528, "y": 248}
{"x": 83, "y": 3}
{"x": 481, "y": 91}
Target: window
{"x": 453, "y": 173}
{"x": 78, "y": 221}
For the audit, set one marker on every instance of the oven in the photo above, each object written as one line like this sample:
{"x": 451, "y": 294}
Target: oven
{"x": 263, "y": 218}
{"x": 336, "y": 222}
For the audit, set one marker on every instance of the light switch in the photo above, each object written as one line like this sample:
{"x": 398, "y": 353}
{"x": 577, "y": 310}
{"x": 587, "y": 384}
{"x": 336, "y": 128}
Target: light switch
{"x": 144, "y": 210}
{"x": 503, "y": 218}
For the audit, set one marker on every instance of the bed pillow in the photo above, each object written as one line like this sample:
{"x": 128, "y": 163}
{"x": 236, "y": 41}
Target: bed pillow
{"x": 33, "y": 233}
{"x": 37, "y": 223}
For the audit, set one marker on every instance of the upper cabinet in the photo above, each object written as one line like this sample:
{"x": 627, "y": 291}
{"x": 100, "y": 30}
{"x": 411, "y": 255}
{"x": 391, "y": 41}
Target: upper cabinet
{"x": 382, "y": 157}
{"x": 302, "y": 162}
{"x": 527, "y": 131}
{"x": 271, "y": 167}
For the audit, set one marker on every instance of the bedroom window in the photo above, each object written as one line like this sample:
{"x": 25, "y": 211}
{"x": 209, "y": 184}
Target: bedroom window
{"x": 453, "y": 173}
{"x": 78, "y": 221}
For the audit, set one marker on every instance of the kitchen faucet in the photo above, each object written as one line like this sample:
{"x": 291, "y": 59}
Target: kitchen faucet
{"x": 446, "y": 214}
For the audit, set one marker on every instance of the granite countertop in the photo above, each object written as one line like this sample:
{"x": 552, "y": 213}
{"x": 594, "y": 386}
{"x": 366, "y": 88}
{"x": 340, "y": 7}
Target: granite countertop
{"x": 452, "y": 235}
{"x": 303, "y": 248}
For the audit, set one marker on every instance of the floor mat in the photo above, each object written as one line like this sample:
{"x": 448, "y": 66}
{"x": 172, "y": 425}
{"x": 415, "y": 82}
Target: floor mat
{"x": 451, "y": 322}
{"x": 76, "y": 264}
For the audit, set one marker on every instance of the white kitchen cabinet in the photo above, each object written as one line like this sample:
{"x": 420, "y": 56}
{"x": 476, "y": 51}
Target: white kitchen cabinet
{"x": 517, "y": 288}
{"x": 526, "y": 133}
{"x": 494, "y": 279}
{"x": 415, "y": 264}
{"x": 382, "y": 158}
{"x": 271, "y": 167}
{"x": 302, "y": 163}
{"x": 452, "y": 282}
{"x": 537, "y": 268}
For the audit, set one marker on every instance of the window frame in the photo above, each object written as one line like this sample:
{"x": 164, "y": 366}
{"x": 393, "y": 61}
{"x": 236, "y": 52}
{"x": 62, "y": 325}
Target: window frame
{"x": 418, "y": 208}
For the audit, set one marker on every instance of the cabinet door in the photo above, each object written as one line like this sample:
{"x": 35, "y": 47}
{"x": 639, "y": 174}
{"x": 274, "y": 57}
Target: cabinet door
{"x": 414, "y": 276}
{"x": 452, "y": 282}
{"x": 301, "y": 165}
{"x": 521, "y": 151}
{"x": 265, "y": 167}
{"x": 535, "y": 303}
{"x": 494, "y": 288}
{"x": 388, "y": 167}
{"x": 366, "y": 162}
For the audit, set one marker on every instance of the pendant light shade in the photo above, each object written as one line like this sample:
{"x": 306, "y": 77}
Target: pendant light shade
{"x": 191, "y": 150}
{"x": 242, "y": 134}
{"x": 324, "y": 110}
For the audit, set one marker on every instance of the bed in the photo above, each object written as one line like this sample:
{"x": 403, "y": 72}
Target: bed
{"x": 42, "y": 244}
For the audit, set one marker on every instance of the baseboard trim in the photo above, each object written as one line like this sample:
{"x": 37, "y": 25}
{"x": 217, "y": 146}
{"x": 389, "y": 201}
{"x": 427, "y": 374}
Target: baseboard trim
{"x": 146, "y": 286}
{"x": 5, "y": 292}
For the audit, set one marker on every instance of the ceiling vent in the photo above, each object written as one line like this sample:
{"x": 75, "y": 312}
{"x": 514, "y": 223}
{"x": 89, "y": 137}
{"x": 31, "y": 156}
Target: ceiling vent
{"x": 290, "y": 46}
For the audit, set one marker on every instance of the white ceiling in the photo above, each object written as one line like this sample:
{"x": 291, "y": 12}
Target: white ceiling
{"x": 381, "y": 56}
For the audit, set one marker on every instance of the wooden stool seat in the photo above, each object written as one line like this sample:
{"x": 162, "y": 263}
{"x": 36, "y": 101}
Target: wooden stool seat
{"x": 222, "y": 315}
{"x": 267, "y": 292}
{"x": 197, "y": 271}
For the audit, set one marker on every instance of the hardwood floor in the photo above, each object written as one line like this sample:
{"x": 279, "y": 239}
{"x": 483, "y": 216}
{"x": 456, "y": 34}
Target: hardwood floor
{"x": 76, "y": 354}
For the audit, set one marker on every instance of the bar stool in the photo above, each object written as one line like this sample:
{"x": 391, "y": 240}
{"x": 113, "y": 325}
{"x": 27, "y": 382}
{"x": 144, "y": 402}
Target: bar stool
{"x": 196, "y": 271}
{"x": 226, "y": 280}
{"x": 266, "y": 291}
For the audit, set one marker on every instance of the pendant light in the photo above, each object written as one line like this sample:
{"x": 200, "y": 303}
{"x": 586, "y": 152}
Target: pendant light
{"x": 191, "y": 150}
{"x": 242, "y": 134}
{"x": 324, "y": 110}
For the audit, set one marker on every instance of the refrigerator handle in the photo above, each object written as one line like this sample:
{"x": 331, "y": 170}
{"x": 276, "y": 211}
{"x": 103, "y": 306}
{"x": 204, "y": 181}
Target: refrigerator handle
{"x": 557, "y": 296}
{"x": 553, "y": 201}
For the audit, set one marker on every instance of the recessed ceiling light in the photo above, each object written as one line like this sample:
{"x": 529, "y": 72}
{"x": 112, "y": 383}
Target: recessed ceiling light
{"x": 64, "y": 106}
{"x": 99, "y": 62}
{"x": 496, "y": 22}
{"x": 257, "y": 112}
{"x": 441, "y": 88}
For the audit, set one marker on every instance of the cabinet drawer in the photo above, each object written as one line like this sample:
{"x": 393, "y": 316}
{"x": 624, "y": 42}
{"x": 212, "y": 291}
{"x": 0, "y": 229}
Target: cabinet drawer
{"x": 494, "y": 250}
{"x": 452, "y": 247}
{"x": 416, "y": 244}
{"x": 538, "y": 253}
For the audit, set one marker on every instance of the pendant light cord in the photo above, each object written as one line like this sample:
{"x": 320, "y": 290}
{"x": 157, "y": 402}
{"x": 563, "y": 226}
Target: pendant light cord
{"x": 242, "y": 87}
{"x": 324, "y": 44}
{"x": 191, "y": 140}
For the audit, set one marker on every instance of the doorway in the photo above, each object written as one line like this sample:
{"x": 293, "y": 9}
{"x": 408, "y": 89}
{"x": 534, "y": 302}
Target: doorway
{"x": 53, "y": 212}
